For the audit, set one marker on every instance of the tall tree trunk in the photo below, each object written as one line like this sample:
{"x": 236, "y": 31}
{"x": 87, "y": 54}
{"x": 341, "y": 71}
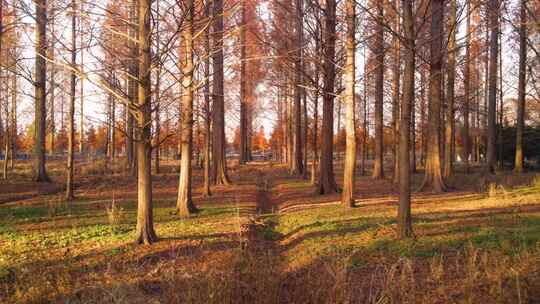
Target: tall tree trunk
{"x": 467, "y": 88}
{"x": 450, "y": 124}
{"x": 501, "y": 108}
{"x": 157, "y": 98}
{"x": 145, "y": 226}
{"x": 347, "y": 196}
{"x": 522, "y": 82}
{"x": 13, "y": 135}
{"x": 327, "y": 182}
{"x": 219, "y": 162}
{"x": 243, "y": 87}
{"x": 40, "y": 173}
{"x": 378, "y": 170}
{"x": 297, "y": 161}
{"x": 71, "y": 115}
{"x": 132, "y": 90}
{"x": 404, "y": 210}
{"x": 396, "y": 91}
{"x": 81, "y": 93}
{"x": 365, "y": 120}
{"x": 207, "y": 140}
{"x": 184, "y": 204}
{"x": 492, "y": 92}
{"x": 433, "y": 174}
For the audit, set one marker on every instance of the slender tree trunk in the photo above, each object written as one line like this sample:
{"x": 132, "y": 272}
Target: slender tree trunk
{"x": 404, "y": 210}
{"x": 219, "y": 162}
{"x": 297, "y": 161}
{"x": 145, "y": 225}
{"x": 40, "y": 173}
{"x": 71, "y": 115}
{"x": 492, "y": 92}
{"x": 13, "y": 135}
{"x": 378, "y": 170}
{"x": 396, "y": 92}
{"x": 466, "y": 85}
{"x": 347, "y": 196}
{"x": 501, "y": 108}
{"x": 243, "y": 88}
{"x": 81, "y": 93}
{"x": 365, "y": 122}
{"x": 327, "y": 182}
{"x": 450, "y": 125}
{"x": 206, "y": 166}
{"x": 157, "y": 99}
{"x": 522, "y": 82}
{"x": 132, "y": 91}
{"x": 433, "y": 174}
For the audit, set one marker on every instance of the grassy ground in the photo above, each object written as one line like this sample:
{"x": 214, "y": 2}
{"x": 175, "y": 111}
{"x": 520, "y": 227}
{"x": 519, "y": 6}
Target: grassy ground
{"x": 269, "y": 239}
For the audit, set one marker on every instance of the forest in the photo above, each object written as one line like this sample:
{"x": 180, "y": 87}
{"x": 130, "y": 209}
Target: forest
{"x": 269, "y": 151}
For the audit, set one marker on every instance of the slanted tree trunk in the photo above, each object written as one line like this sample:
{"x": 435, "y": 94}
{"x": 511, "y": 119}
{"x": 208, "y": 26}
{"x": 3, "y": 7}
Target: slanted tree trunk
{"x": 404, "y": 210}
{"x": 40, "y": 173}
{"x": 467, "y": 88}
{"x": 378, "y": 171}
{"x": 327, "y": 182}
{"x": 522, "y": 82}
{"x": 219, "y": 163}
{"x": 71, "y": 112}
{"x": 433, "y": 175}
{"x": 184, "y": 203}
{"x": 450, "y": 124}
{"x": 347, "y": 196}
{"x": 145, "y": 226}
{"x": 206, "y": 165}
{"x": 492, "y": 85}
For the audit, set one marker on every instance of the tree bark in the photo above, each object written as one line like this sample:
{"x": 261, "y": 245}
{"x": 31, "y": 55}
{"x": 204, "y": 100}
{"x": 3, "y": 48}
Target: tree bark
{"x": 347, "y": 196}
{"x": 492, "y": 85}
{"x": 184, "y": 203}
{"x": 522, "y": 82}
{"x": 243, "y": 88}
{"x": 466, "y": 85}
{"x": 378, "y": 170}
{"x": 451, "y": 66}
{"x": 396, "y": 91}
{"x": 219, "y": 162}
{"x": 433, "y": 175}
{"x": 404, "y": 210}
{"x": 207, "y": 140}
{"x": 71, "y": 112}
{"x": 145, "y": 225}
{"x": 327, "y": 182}
{"x": 40, "y": 173}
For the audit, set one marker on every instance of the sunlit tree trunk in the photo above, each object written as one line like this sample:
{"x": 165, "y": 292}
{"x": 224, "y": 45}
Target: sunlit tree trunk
{"x": 145, "y": 226}
{"x": 522, "y": 82}
{"x": 451, "y": 66}
{"x": 132, "y": 89}
{"x": 206, "y": 165}
{"x": 433, "y": 173}
{"x": 347, "y": 196}
{"x": 71, "y": 112}
{"x": 466, "y": 85}
{"x": 219, "y": 163}
{"x": 243, "y": 89}
{"x": 404, "y": 210}
{"x": 40, "y": 173}
{"x": 327, "y": 182}
{"x": 492, "y": 84}
{"x": 378, "y": 171}
{"x": 157, "y": 99}
{"x": 184, "y": 203}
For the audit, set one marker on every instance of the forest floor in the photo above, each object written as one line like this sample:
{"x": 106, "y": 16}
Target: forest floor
{"x": 268, "y": 238}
